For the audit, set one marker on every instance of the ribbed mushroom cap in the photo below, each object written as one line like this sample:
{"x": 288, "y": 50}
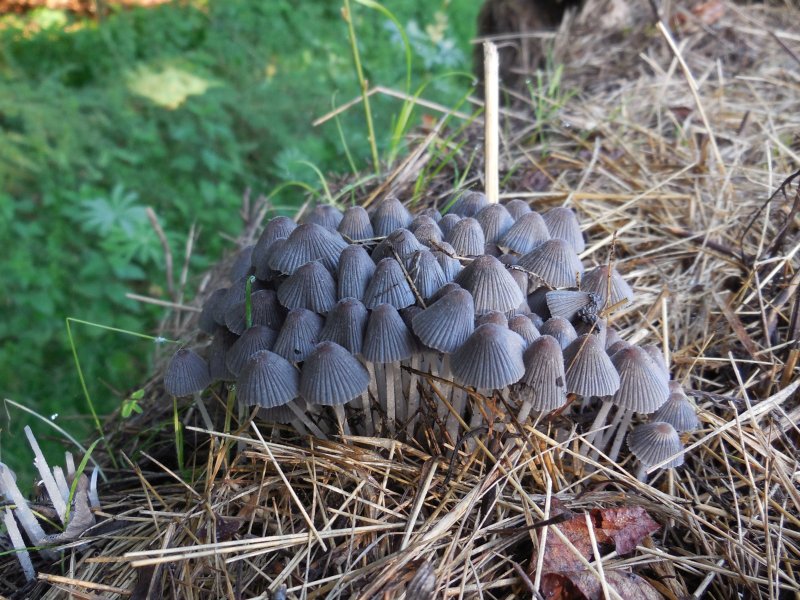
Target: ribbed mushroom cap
{"x": 616, "y": 347}
{"x": 356, "y": 268}
{"x": 447, "y": 323}
{"x": 332, "y": 376}
{"x": 521, "y": 277}
{"x": 346, "y": 324}
{"x": 279, "y": 414}
{"x": 445, "y": 289}
{"x": 571, "y": 304}
{"x": 308, "y": 242}
{"x": 431, "y": 212}
{"x": 236, "y": 294}
{"x": 388, "y": 338}
{"x": 264, "y": 310}
{"x": 589, "y": 369}
{"x": 299, "y": 334}
{"x": 679, "y": 412}
{"x": 544, "y": 374}
{"x": 445, "y": 254}
{"x": 355, "y": 225}
{"x": 466, "y": 237}
{"x": 326, "y": 215}
{"x": 495, "y": 221}
{"x": 311, "y": 286}
{"x": 251, "y": 341}
{"x": 212, "y": 308}
{"x": 643, "y": 386}
{"x": 262, "y": 268}
{"x": 491, "y": 358}
{"x": 217, "y": 355}
{"x": 509, "y": 260}
{"x": 658, "y": 357}
{"x": 524, "y": 327}
{"x": 518, "y": 207}
{"x": 492, "y": 250}
{"x": 447, "y": 223}
{"x": 277, "y": 228}
{"x": 401, "y": 242}
{"x": 612, "y": 337}
{"x": 554, "y": 262}
{"x": 389, "y": 285}
{"x": 561, "y": 329}
{"x": 676, "y": 388}
{"x": 537, "y": 300}
{"x": 491, "y": 285}
{"x": 492, "y": 316}
{"x": 242, "y": 264}
{"x": 536, "y": 320}
{"x": 187, "y": 373}
{"x": 469, "y": 204}
{"x": 389, "y": 215}
{"x": 429, "y": 234}
{"x": 267, "y": 380}
{"x": 421, "y": 220}
{"x": 598, "y": 328}
{"x": 563, "y": 224}
{"x": 528, "y": 232}
{"x": 426, "y": 273}
{"x": 653, "y": 442}
{"x": 607, "y": 285}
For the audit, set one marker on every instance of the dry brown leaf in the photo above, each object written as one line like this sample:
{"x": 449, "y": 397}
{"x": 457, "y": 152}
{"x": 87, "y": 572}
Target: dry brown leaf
{"x": 626, "y": 526}
{"x": 629, "y": 586}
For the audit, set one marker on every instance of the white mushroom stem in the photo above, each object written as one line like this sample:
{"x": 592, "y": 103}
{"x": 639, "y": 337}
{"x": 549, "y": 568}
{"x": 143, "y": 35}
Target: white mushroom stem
{"x": 400, "y": 405}
{"x": 19, "y": 545}
{"x": 341, "y": 417}
{"x": 622, "y": 430}
{"x": 61, "y": 482}
{"x": 303, "y": 418}
{"x": 389, "y": 392}
{"x": 22, "y": 511}
{"x": 599, "y": 423}
{"x": 413, "y": 392}
{"x": 94, "y": 498}
{"x": 366, "y": 405}
{"x": 47, "y": 477}
{"x": 70, "y": 462}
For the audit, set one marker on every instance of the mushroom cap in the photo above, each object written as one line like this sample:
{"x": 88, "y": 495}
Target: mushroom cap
{"x": 262, "y": 268}
{"x": 389, "y": 285}
{"x": 616, "y": 347}
{"x": 431, "y": 212}
{"x": 447, "y": 223}
{"x": 212, "y": 309}
{"x": 561, "y": 329}
{"x": 554, "y": 262}
{"x": 467, "y": 238}
{"x": 524, "y": 327}
{"x": 495, "y": 221}
{"x": 429, "y": 234}
{"x": 242, "y": 264}
{"x": 445, "y": 254}
{"x": 537, "y": 300}
{"x": 491, "y": 358}
{"x": 326, "y": 215}
{"x": 267, "y": 380}
{"x": 573, "y": 303}
{"x": 251, "y": 341}
{"x": 389, "y": 214}
{"x": 310, "y": 286}
{"x": 401, "y": 242}
{"x": 492, "y": 316}
{"x": 517, "y": 207}
{"x": 280, "y": 414}
{"x": 679, "y": 412}
{"x": 589, "y": 369}
{"x": 426, "y": 273}
{"x": 332, "y": 376}
{"x": 299, "y": 334}
{"x": 234, "y": 295}
{"x": 307, "y": 243}
{"x": 264, "y": 310}
{"x": 536, "y": 320}
{"x": 469, "y": 204}
{"x": 277, "y": 228}
{"x": 447, "y": 323}
{"x": 217, "y": 355}
{"x": 563, "y": 224}
{"x": 346, "y": 324}
{"x": 491, "y": 285}
{"x": 445, "y": 289}
{"x": 521, "y": 277}
{"x": 607, "y": 283}
{"x": 544, "y": 377}
{"x": 356, "y": 268}
{"x": 388, "y": 338}
{"x": 528, "y": 232}
{"x": 355, "y": 224}
{"x": 643, "y": 385}
{"x": 653, "y": 442}
{"x": 420, "y": 220}
{"x": 658, "y": 357}
{"x": 187, "y": 373}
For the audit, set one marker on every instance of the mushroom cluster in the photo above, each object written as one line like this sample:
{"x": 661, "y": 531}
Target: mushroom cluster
{"x": 356, "y": 308}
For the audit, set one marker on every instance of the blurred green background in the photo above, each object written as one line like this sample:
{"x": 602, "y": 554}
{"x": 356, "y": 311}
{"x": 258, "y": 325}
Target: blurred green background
{"x": 180, "y": 107}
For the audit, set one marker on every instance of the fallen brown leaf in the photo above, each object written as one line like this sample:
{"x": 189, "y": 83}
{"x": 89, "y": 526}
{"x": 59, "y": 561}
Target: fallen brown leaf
{"x": 629, "y": 586}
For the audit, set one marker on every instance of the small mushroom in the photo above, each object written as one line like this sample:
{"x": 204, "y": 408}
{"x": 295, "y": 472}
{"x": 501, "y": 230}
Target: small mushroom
{"x": 467, "y": 237}
{"x": 355, "y": 225}
{"x": 389, "y": 215}
{"x": 491, "y": 285}
{"x": 187, "y": 373}
{"x": 563, "y": 224}
{"x": 555, "y": 262}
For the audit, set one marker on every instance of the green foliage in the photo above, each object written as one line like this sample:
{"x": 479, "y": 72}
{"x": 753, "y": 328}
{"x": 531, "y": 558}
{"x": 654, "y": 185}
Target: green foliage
{"x": 179, "y": 108}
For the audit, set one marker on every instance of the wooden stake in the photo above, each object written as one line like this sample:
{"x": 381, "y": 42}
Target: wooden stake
{"x": 491, "y": 77}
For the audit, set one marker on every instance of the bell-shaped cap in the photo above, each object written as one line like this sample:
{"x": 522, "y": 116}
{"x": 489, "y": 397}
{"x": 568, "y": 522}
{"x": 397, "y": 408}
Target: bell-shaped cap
{"x": 589, "y": 369}
{"x": 527, "y": 232}
{"x": 420, "y": 220}
{"x": 495, "y": 221}
{"x": 356, "y": 268}
{"x": 446, "y": 255}
{"x": 389, "y": 215}
{"x": 643, "y": 385}
{"x": 311, "y": 286}
{"x": 447, "y": 223}
{"x": 491, "y": 285}
{"x": 554, "y": 262}
{"x": 355, "y": 225}
{"x": 267, "y": 380}
{"x": 264, "y": 310}
{"x": 400, "y": 242}
{"x": 537, "y": 299}
{"x": 572, "y": 304}
{"x": 262, "y": 268}
{"x": 429, "y": 235}
{"x": 389, "y": 285}
{"x": 242, "y": 264}
{"x": 561, "y": 329}
{"x": 212, "y": 308}
{"x": 469, "y": 204}
{"x": 609, "y": 285}
{"x": 658, "y": 357}
{"x": 517, "y": 207}
{"x": 388, "y": 338}
{"x": 467, "y": 238}
{"x": 308, "y": 243}
{"x": 251, "y": 341}
{"x": 299, "y": 334}
{"x": 521, "y": 277}
{"x": 544, "y": 374}
{"x": 332, "y": 376}
{"x": 431, "y": 212}
{"x": 280, "y": 414}
{"x": 346, "y": 324}
{"x": 218, "y": 353}
{"x": 612, "y": 337}
{"x": 616, "y": 347}
{"x": 426, "y": 273}
{"x": 679, "y": 412}
{"x": 497, "y": 318}
{"x": 563, "y": 224}
{"x": 491, "y": 358}
{"x": 277, "y": 228}
{"x": 187, "y": 373}
{"x": 654, "y": 442}
{"x": 538, "y": 321}
{"x": 235, "y": 295}
{"x": 445, "y": 289}
{"x": 447, "y": 323}
{"x": 524, "y": 328}
{"x": 326, "y": 215}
